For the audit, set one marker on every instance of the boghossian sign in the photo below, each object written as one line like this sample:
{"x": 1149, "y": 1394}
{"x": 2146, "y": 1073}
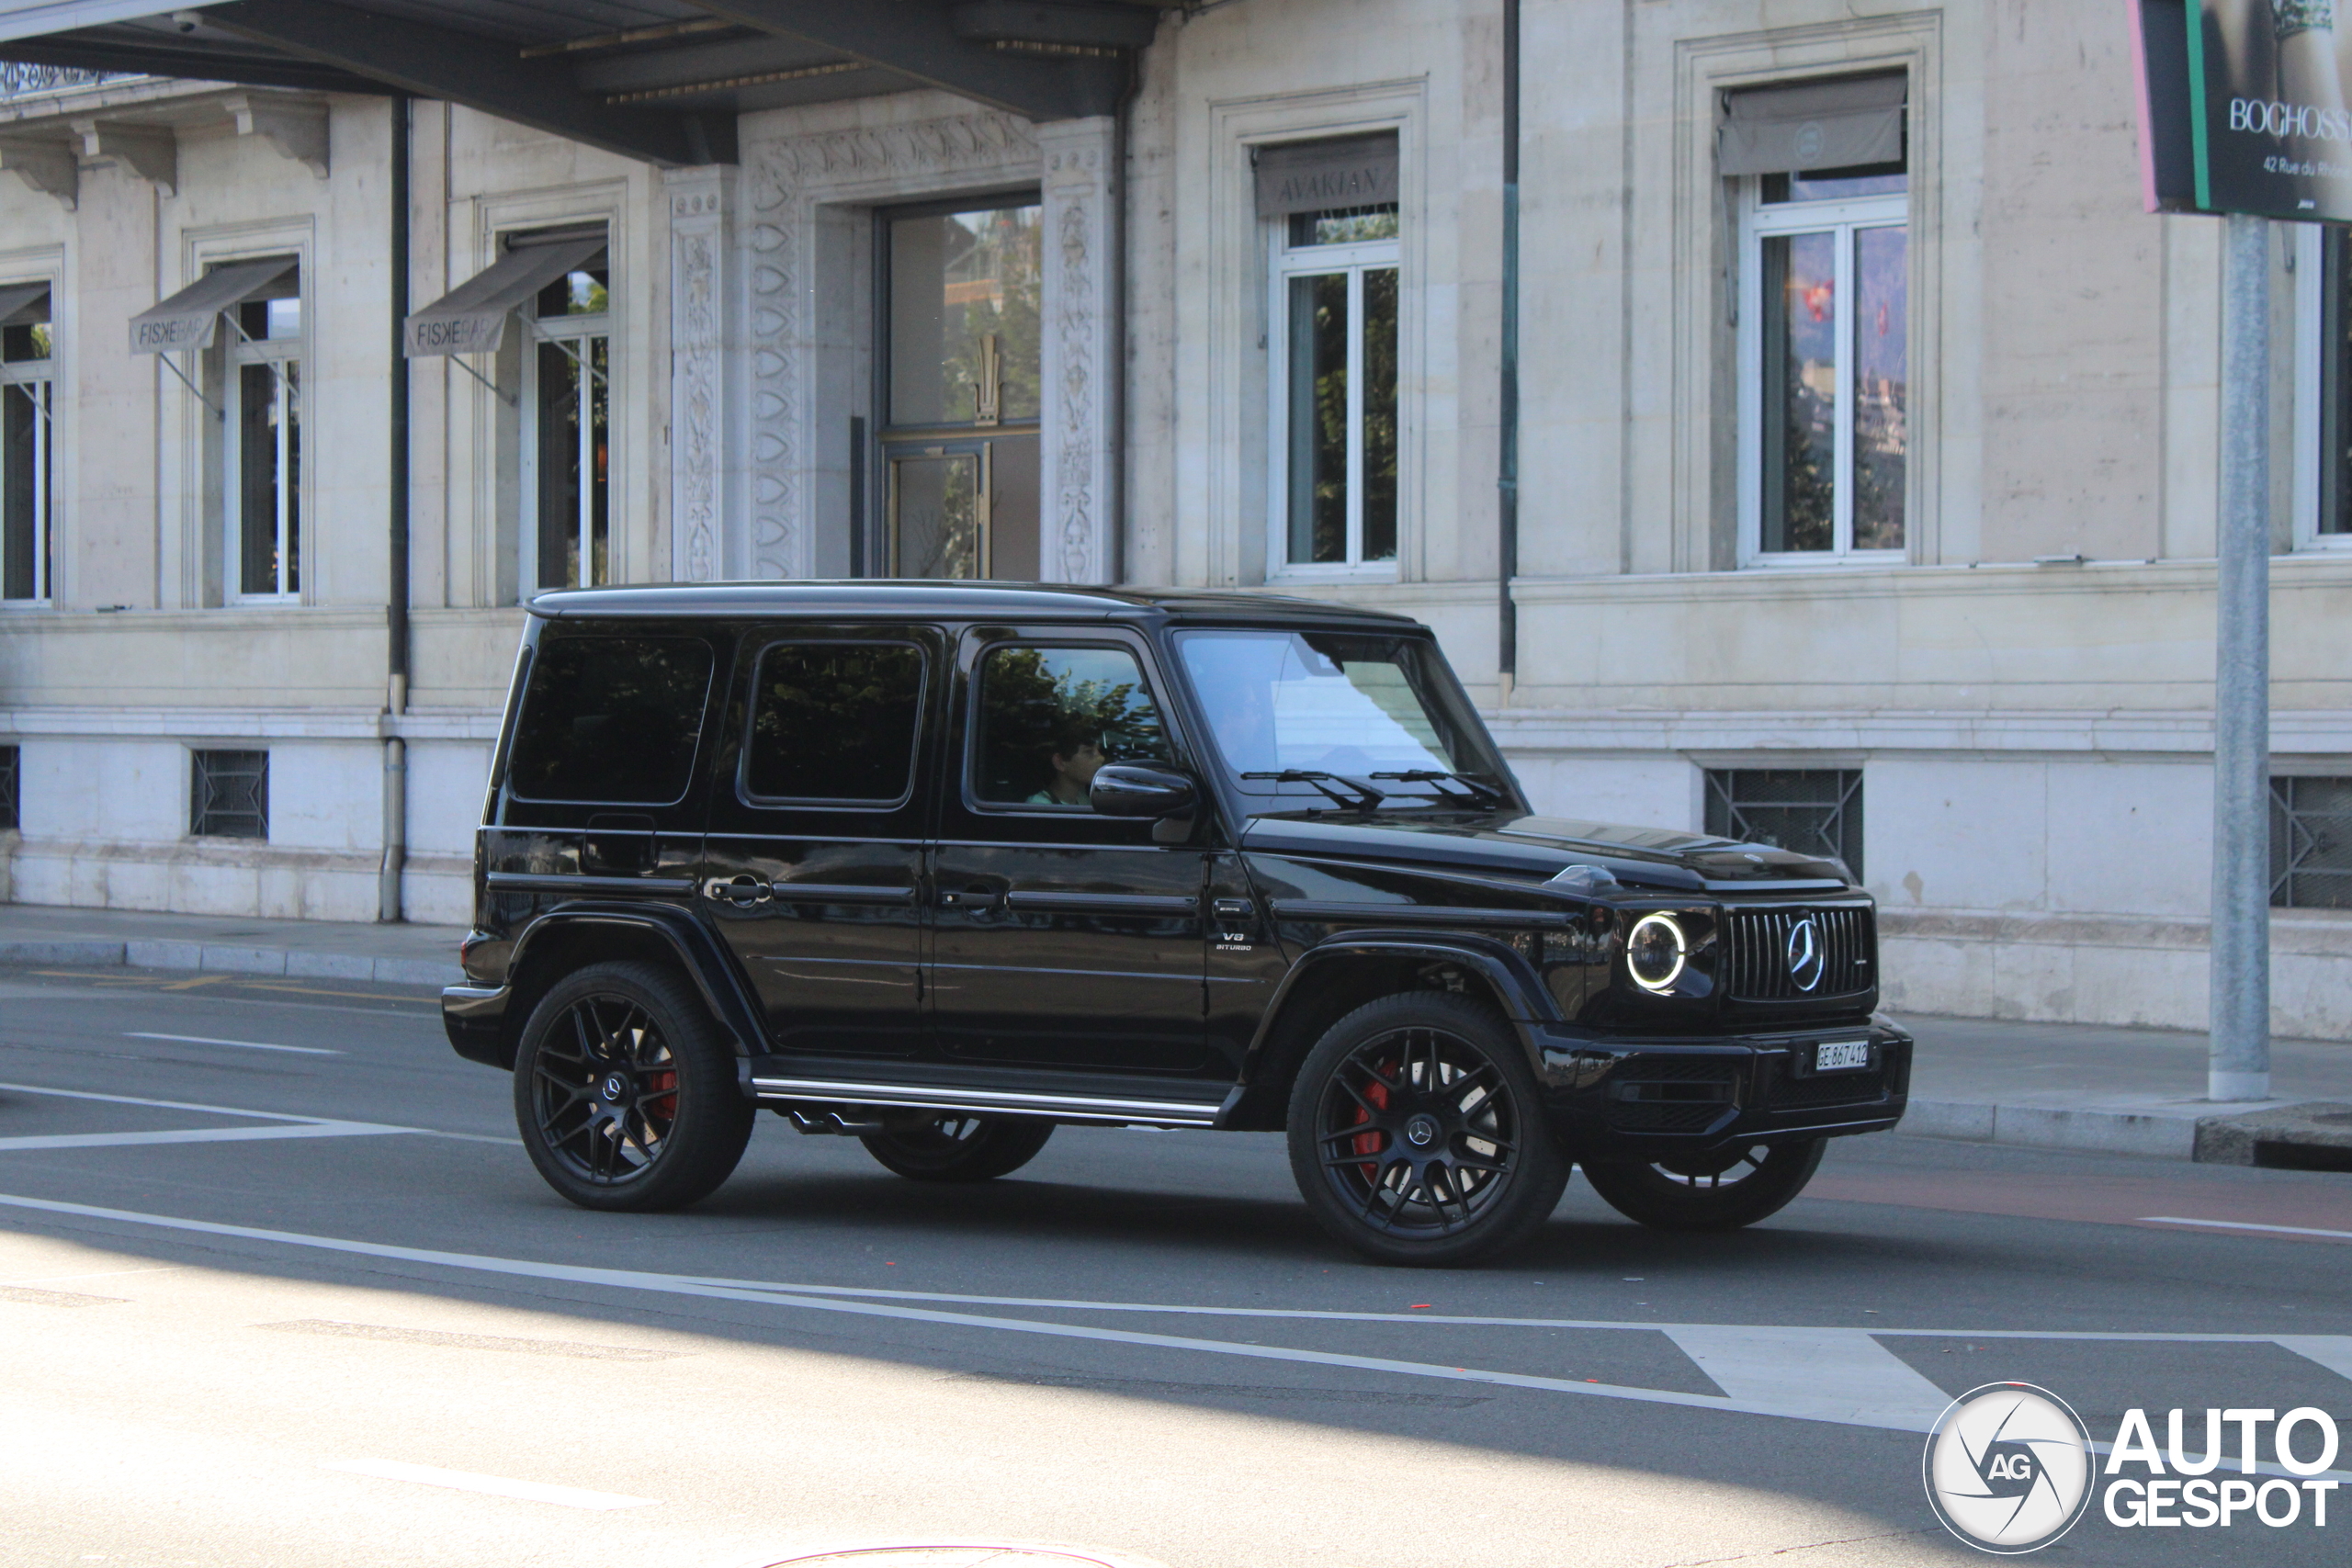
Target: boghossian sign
{"x": 2244, "y": 106}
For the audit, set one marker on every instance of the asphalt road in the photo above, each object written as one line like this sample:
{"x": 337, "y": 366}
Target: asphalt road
{"x": 280, "y": 1288}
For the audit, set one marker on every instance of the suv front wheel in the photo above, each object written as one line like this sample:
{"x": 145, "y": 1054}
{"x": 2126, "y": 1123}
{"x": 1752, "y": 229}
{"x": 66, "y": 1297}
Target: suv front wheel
{"x": 625, "y": 1093}
{"x": 1416, "y": 1134}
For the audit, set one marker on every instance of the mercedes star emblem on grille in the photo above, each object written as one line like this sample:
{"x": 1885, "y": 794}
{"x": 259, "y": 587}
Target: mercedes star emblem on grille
{"x": 1805, "y": 954}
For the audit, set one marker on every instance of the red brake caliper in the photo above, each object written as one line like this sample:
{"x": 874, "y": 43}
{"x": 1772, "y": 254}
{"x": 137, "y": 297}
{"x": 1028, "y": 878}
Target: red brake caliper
{"x": 663, "y": 1097}
{"x": 1370, "y": 1142}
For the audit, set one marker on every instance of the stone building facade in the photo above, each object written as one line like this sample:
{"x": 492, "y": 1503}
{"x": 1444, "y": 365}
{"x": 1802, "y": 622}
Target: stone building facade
{"x": 1865, "y": 495}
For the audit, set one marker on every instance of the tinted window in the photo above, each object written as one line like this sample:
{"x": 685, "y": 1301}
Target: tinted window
{"x": 835, "y": 721}
{"x": 1050, "y": 716}
{"x": 610, "y": 718}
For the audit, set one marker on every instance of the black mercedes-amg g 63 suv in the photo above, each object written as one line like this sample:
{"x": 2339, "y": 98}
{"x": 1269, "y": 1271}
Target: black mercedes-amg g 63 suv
{"x": 941, "y": 865}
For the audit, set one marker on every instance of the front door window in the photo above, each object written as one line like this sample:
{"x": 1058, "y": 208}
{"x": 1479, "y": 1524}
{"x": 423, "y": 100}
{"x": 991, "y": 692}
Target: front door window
{"x": 961, "y": 397}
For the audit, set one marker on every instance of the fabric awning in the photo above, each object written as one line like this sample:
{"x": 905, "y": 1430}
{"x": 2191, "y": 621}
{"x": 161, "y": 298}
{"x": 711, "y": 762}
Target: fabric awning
{"x": 188, "y": 319}
{"x": 1841, "y": 124}
{"x": 1324, "y": 177}
{"x": 16, "y": 297}
{"x": 471, "y": 317}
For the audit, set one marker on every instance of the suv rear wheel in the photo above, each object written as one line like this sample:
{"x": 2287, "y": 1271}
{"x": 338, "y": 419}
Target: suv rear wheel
{"x": 949, "y": 1145}
{"x": 1720, "y": 1192}
{"x": 625, "y": 1092}
{"x": 1416, "y": 1134}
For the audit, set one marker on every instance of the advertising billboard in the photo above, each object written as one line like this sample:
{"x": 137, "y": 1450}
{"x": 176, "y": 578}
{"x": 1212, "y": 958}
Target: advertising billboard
{"x": 2244, "y": 106}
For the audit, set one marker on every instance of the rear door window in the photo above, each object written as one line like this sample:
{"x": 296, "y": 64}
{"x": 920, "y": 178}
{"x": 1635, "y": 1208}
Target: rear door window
{"x": 611, "y": 719}
{"x": 834, "y": 723}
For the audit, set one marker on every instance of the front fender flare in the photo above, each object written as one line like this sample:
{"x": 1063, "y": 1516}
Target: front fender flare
{"x": 1526, "y": 1004}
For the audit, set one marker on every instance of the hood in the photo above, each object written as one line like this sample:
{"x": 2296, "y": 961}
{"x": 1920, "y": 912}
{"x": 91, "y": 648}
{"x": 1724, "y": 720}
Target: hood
{"x": 1514, "y": 844}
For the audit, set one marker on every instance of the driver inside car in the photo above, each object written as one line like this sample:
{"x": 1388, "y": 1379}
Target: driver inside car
{"x": 1071, "y": 765}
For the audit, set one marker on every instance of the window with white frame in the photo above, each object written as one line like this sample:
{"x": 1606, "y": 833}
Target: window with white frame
{"x": 567, "y": 430}
{"x": 27, "y": 399}
{"x": 1823, "y": 364}
{"x": 262, "y": 445}
{"x": 1333, "y": 371}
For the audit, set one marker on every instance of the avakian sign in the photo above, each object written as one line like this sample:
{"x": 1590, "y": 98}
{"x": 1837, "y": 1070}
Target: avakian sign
{"x": 2244, "y": 109}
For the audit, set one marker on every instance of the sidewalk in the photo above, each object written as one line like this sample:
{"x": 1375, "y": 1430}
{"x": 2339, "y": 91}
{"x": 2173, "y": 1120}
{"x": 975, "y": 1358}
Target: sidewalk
{"x": 400, "y": 955}
{"x": 2058, "y": 1085}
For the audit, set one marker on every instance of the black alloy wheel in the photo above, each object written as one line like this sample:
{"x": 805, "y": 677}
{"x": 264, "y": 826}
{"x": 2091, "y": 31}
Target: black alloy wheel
{"x": 1417, "y": 1135}
{"x": 625, "y": 1092}
{"x": 1719, "y": 1191}
{"x": 953, "y": 1145}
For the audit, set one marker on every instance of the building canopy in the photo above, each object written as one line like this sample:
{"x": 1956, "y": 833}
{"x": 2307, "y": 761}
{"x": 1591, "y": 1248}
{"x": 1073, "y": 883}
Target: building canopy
{"x": 658, "y": 80}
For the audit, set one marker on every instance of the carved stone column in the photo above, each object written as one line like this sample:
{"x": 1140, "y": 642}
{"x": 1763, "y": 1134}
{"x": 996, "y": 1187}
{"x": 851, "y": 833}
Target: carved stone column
{"x": 1079, "y": 455}
{"x": 706, "y": 534}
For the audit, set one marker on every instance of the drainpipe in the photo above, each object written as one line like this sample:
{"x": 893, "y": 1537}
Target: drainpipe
{"x": 1122, "y": 119}
{"x": 388, "y": 876}
{"x": 1507, "y": 465}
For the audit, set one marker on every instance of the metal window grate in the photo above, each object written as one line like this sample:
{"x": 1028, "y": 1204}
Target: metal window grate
{"x": 2310, "y": 843}
{"x": 228, "y": 795}
{"x": 8, "y": 755}
{"x": 1814, "y": 811}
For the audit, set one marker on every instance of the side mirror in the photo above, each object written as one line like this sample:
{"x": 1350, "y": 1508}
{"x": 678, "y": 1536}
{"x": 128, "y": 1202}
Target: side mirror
{"x": 1124, "y": 789}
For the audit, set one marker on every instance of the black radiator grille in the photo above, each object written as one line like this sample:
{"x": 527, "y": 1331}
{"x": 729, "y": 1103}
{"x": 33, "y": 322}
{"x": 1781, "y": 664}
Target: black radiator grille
{"x": 1759, "y": 956}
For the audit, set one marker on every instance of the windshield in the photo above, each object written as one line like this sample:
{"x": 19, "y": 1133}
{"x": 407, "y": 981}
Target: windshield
{"x": 1359, "y": 707}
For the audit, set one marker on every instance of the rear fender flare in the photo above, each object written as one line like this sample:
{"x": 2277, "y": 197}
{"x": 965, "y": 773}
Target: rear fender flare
{"x": 694, "y": 948}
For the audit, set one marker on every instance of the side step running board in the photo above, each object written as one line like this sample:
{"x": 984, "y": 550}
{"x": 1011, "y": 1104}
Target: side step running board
{"x": 935, "y": 1096}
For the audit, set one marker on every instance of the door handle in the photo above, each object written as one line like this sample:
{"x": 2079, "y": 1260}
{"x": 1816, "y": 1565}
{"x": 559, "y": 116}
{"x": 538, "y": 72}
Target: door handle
{"x": 1233, "y": 908}
{"x": 743, "y": 890}
{"x": 978, "y": 900}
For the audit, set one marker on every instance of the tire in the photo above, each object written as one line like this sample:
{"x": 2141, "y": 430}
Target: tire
{"x": 1446, "y": 1071}
{"x": 1721, "y": 1192}
{"x": 948, "y": 1145}
{"x": 626, "y": 1093}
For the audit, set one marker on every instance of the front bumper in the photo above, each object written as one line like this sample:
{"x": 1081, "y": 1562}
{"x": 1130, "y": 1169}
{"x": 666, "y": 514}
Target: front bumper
{"x": 1617, "y": 1097}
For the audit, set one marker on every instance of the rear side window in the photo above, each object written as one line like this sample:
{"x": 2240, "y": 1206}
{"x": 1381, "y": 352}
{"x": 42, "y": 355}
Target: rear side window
{"x": 835, "y": 722}
{"x": 610, "y": 718}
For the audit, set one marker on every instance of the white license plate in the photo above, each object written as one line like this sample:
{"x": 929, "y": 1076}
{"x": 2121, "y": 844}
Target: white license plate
{"x": 1842, "y": 1055}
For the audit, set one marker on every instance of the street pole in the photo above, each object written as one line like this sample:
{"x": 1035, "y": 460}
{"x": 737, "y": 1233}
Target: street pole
{"x": 2239, "y": 1067}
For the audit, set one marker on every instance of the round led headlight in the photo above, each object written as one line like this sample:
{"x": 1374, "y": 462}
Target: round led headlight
{"x": 1655, "y": 951}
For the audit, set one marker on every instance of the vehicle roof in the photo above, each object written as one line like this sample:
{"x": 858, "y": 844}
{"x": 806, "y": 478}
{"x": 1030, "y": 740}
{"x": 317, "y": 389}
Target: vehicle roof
{"x": 959, "y": 601}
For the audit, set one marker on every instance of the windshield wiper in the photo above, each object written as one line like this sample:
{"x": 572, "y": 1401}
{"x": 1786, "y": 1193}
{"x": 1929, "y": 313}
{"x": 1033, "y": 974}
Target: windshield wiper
{"x": 1478, "y": 789}
{"x": 1364, "y": 798}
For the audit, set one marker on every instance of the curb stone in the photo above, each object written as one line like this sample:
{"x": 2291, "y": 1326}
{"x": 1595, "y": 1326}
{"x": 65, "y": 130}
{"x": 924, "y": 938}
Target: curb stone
{"x": 2310, "y": 1135}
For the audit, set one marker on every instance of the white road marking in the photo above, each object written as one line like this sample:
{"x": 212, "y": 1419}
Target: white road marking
{"x": 157, "y": 1105}
{"x": 301, "y": 1126}
{"x": 1830, "y": 1374}
{"x": 197, "y": 1135}
{"x": 2244, "y": 1225}
{"x": 1886, "y": 1410}
{"x": 2333, "y": 1351}
{"x": 247, "y": 1044}
{"x": 496, "y": 1485}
